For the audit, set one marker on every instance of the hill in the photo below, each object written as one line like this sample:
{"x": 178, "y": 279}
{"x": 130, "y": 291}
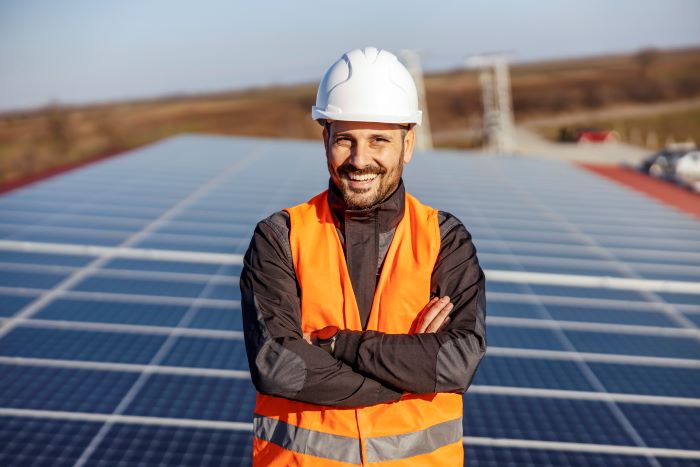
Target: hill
{"x": 33, "y": 142}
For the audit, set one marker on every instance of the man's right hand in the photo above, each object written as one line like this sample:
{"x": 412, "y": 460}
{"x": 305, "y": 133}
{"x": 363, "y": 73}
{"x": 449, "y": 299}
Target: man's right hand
{"x": 435, "y": 315}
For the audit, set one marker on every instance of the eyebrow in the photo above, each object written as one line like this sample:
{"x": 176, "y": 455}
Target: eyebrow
{"x": 373, "y": 135}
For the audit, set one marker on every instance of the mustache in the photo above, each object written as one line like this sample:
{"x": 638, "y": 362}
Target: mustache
{"x": 347, "y": 169}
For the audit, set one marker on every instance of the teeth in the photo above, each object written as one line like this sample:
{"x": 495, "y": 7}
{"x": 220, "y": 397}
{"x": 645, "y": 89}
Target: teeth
{"x": 362, "y": 178}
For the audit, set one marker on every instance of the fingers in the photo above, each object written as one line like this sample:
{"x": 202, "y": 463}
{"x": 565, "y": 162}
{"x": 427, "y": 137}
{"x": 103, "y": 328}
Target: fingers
{"x": 424, "y": 320}
{"x": 440, "y": 318}
{"x": 444, "y": 323}
{"x": 307, "y": 337}
{"x": 435, "y": 309}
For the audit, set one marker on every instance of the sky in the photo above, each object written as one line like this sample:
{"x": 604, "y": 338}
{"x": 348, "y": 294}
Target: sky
{"x": 81, "y": 51}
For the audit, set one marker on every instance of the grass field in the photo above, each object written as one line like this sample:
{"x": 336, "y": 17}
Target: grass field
{"x": 33, "y": 141}
{"x": 651, "y": 131}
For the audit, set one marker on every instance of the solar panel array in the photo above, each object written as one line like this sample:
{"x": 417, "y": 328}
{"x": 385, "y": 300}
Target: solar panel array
{"x": 120, "y": 327}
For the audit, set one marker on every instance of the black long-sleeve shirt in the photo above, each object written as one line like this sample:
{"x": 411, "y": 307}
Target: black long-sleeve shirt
{"x": 368, "y": 367}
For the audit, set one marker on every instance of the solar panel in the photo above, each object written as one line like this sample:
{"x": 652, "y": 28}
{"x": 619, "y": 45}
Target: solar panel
{"x": 121, "y": 335}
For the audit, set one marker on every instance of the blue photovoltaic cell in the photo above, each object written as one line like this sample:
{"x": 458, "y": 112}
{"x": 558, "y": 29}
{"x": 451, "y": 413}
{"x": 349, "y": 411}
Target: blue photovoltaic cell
{"x": 608, "y": 315}
{"x": 195, "y": 397}
{"x": 139, "y": 445}
{"x": 225, "y": 292}
{"x": 678, "y": 462}
{"x": 680, "y": 298}
{"x": 8, "y": 230}
{"x": 225, "y": 319}
{"x": 679, "y": 259}
{"x": 497, "y": 264}
{"x": 631, "y": 344}
{"x": 488, "y": 456}
{"x": 208, "y": 229}
{"x": 44, "y": 258}
{"x": 12, "y": 216}
{"x": 686, "y": 276}
{"x": 661, "y": 243}
{"x": 665, "y": 426}
{"x": 32, "y": 280}
{"x": 195, "y": 244}
{"x": 172, "y": 266}
{"x": 200, "y": 352}
{"x": 73, "y": 390}
{"x": 513, "y": 310}
{"x": 566, "y": 420}
{"x": 11, "y": 304}
{"x": 649, "y": 380}
{"x": 586, "y": 292}
{"x": 148, "y": 314}
{"x": 601, "y": 270}
{"x": 546, "y": 238}
{"x": 78, "y": 238}
{"x": 694, "y": 317}
{"x": 106, "y": 210}
{"x": 97, "y": 223}
{"x": 80, "y": 345}
{"x": 21, "y": 209}
{"x": 507, "y": 287}
{"x": 531, "y": 373}
{"x": 231, "y": 270}
{"x": 40, "y": 442}
{"x": 528, "y": 251}
{"x": 528, "y": 338}
{"x": 141, "y": 286}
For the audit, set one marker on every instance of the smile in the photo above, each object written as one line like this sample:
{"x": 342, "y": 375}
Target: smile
{"x": 362, "y": 178}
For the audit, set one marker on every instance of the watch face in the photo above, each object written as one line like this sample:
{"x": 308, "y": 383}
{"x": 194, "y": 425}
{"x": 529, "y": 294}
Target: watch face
{"x": 327, "y": 333}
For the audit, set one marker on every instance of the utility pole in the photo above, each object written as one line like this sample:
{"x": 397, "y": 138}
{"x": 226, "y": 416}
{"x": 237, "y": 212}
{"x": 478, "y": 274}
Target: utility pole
{"x": 411, "y": 59}
{"x": 494, "y": 78}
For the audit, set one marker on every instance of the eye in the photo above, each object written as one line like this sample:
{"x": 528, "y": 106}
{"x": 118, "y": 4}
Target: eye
{"x": 342, "y": 141}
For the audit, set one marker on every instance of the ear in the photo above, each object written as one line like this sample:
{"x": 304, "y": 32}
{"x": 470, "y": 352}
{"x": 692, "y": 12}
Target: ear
{"x": 325, "y": 137}
{"x": 408, "y": 145}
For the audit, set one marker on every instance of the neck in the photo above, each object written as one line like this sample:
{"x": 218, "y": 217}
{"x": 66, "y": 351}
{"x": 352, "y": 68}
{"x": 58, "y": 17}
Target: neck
{"x": 388, "y": 211}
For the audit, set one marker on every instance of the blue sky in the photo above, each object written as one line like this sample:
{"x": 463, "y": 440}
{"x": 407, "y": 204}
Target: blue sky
{"x": 78, "y": 51}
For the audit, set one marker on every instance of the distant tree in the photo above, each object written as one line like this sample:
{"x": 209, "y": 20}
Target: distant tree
{"x": 59, "y": 129}
{"x": 645, "y": 58}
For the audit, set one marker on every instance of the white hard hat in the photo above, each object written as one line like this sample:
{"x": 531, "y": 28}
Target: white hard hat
{"x": 367, "y": 85}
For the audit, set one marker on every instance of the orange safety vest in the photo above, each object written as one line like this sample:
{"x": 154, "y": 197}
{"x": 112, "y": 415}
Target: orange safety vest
{"x": 417, "y": 430}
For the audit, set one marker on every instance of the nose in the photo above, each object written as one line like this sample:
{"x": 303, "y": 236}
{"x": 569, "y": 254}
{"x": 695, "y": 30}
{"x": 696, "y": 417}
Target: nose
{"x": 360, "y": 155}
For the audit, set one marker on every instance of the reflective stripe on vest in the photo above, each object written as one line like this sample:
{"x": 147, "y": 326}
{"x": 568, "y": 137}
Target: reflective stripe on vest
{"x": 420, "y": 429}
{"x": 301, "y": 440}
{"x": 347, "y": 449}
{"x": 385, "y": 448}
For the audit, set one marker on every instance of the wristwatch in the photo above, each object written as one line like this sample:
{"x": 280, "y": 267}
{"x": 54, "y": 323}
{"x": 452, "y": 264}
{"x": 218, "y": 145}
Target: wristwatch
{"x": 326, "y": 337}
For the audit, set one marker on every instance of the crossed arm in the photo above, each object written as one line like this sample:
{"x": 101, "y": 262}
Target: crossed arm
{"x": 368, "y": 367}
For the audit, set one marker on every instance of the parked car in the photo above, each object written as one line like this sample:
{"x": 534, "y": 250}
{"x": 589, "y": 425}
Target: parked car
{"x": 688, "y": 170}
{"x": 663, "y": 163}
{"x": 587, "y": 135}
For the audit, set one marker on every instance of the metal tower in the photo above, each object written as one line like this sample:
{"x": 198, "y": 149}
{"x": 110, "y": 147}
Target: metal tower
{"x": 494, "y": 78}
{"x": 411, "y": 59}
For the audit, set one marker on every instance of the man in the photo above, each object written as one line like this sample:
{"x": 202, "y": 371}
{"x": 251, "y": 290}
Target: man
{"x": 353, "y": 361}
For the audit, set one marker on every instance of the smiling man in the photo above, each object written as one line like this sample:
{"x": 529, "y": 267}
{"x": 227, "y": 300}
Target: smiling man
{"x": 363, "y": 309}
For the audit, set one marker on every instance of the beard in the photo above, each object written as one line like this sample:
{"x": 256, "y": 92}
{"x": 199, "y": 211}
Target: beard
{"x": 366, "y": 198}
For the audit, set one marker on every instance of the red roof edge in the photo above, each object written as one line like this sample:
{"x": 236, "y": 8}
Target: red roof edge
{"x": 36, "y": 177}
{"x": 663, "y": 191}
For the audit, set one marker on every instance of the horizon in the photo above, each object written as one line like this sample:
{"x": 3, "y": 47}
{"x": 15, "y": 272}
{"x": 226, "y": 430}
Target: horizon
{"x": 184, "y": 95}
{"x": 80, "y": 53}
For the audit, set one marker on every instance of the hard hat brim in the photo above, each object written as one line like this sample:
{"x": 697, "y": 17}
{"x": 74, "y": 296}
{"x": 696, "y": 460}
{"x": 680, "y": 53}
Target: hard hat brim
{"x": 318, "y": 114}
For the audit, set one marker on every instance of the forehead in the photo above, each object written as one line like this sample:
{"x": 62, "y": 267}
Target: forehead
{"x": 363, "y": 127}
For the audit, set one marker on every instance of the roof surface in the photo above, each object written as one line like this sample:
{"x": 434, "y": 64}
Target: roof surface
{"x": 120, "y": 327}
